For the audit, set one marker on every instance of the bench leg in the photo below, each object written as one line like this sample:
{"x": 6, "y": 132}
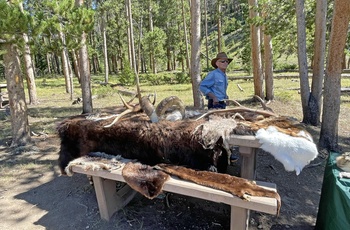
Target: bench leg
{"x": 248, "y": 162}
{"x": 109, "y": 199}
{"x": 239, "y": 218}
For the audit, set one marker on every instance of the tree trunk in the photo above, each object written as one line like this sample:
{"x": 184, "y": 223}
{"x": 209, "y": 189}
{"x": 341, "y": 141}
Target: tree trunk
{"x": 67, "y": 72}
{"x": 195, "y": 52}
{"x": 84, "y": 71}
{"x": 29, "y": 72}
{"x": 128, "y": 33}
{"x": 48, "y": 61}
{"x": 185, "y": 34}
{"x": 131, "y": 29}
{"x": 318, "y": 60}
{"x": 206, "y": 33}
{"x": 219, "y": 25}
{"x": 168, "y": 58}
{"x": 302, "y": 60}
{"x": 344, "y": 61}
{"x": 256, "y": 54}
{"x": 138, "y": 67}
{"x": 268, "y": 61}
{"x": 105, "y": 54}
{"x": 132, "y": 48}
{"x": 17, "y": 101}
{"x": 56, "y": 63}
{"x": 29, "y": 68}
{"x": 152, "y": 58}
{"x": 76, "y": 65}
{"x": 332, "y": 86}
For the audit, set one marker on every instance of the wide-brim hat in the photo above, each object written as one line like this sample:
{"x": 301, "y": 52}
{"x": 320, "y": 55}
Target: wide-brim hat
{"x": 221, "y": 55}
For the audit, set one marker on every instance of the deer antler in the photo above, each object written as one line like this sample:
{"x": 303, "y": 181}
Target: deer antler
{"x": 129, "y": 109}
{"x": 263, "y": 104}
{"x": 238, "y": 110}
{"x": 233, "y": 101}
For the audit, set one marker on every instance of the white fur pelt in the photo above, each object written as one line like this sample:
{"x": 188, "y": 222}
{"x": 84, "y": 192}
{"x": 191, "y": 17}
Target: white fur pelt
{"x": 293, "y": 152}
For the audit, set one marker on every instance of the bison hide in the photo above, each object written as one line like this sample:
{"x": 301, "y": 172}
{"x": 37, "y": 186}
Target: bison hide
{"x": 201, "y": 144}
{"x": 136, "y": 138}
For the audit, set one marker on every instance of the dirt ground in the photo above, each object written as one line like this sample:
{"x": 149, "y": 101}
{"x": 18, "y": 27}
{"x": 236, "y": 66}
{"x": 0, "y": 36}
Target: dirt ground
{"x": 33, "y": 195}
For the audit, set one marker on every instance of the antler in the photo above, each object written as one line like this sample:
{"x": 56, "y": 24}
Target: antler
{"x": 129, "y": 109}
{"x": 148, "y": 108}
{"x": 238, "y": 110}
{"x": 233, "y": 101}
{"x": 263, "y": 104}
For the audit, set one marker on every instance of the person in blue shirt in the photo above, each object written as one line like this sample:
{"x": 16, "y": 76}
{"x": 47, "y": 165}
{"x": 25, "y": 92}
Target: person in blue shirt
{"x": 214, "y": 85}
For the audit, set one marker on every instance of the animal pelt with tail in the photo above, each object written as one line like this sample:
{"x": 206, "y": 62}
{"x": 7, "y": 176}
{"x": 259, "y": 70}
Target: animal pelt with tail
{"x": 149, "y": 181}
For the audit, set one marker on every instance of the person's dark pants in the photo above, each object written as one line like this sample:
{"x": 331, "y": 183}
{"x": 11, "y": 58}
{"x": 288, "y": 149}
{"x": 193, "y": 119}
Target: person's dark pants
{"x": 221, "y": 105}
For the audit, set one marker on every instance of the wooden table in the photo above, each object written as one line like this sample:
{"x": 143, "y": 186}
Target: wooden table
{"x": 247, "y": 146}
{"x": 110, "y": 200}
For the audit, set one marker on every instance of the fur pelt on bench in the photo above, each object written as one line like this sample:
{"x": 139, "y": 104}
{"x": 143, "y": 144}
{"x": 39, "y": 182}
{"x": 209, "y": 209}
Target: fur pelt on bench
{"x": 149, "y": 180}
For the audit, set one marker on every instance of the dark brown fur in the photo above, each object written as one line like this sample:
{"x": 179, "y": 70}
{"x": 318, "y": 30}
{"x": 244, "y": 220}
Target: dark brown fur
{"x": 137, "y": 138}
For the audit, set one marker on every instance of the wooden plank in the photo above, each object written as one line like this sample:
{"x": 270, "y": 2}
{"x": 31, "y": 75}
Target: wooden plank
{"x": 175, "y": 185}
{"x": 261, "y": 204}
{"x": 244, "y": 141}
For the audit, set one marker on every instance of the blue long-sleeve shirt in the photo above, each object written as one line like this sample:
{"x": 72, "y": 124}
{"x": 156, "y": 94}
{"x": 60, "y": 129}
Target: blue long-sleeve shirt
{"x": 215, "y": 82}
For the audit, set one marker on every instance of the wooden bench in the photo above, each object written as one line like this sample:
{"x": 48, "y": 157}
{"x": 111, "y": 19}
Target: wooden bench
{"x": 110, "y": 200}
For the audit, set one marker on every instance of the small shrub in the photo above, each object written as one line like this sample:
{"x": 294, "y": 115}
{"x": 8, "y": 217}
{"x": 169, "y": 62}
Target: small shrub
{"x": 154, "y": 79}
{"x": 167, "y": 79}
{"x": 182, "y": 78}
{"x": 286, "y": 66}
{"x": 127, "y": 76}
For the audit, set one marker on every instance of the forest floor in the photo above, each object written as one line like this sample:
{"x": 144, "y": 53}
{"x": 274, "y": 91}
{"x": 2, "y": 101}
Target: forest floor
{"x": 33, "y": 195}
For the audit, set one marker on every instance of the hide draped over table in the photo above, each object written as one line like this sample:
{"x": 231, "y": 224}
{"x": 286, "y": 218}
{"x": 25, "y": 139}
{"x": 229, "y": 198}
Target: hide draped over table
{"x": 200, "y": 144}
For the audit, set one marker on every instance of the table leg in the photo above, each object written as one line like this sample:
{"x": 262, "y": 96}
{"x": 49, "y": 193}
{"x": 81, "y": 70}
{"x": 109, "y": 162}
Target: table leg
{"x": 109, "y": 199}
{"x": 239, "y": 218}
{"x": 248, "y": 165}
